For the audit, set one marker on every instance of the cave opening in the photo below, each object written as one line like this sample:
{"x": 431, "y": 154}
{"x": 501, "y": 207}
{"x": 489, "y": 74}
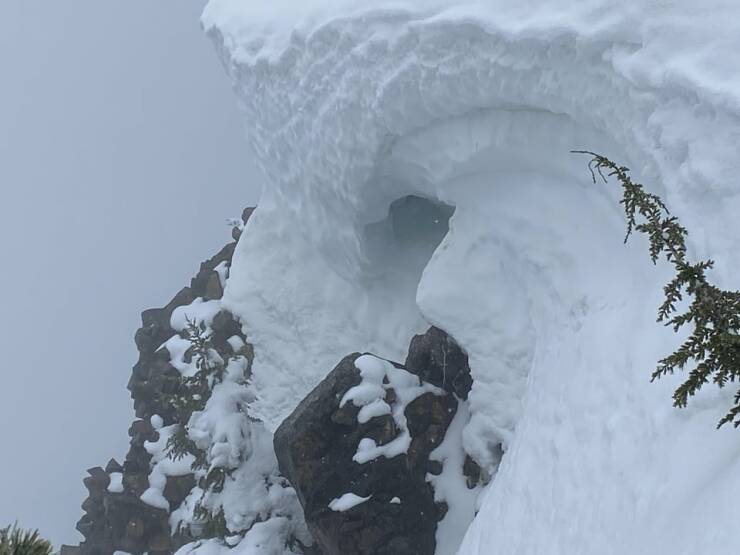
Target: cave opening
{"x": 400, "y": 245}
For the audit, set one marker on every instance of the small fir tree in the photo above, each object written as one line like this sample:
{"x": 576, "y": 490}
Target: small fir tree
{"x": 191, "y": 396}
{"x": 713, "y": 347}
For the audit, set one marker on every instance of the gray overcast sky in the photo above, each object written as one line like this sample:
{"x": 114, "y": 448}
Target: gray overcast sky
{"x": 121, "y": 154}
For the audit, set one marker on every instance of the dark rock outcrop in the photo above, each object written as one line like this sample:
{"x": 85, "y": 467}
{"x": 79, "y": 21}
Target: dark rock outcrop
{"x": 436, "y": 358}
{"x": 153, "y": 376}
{"x": 315, "y": 446}
{"x": 119, "y": 520}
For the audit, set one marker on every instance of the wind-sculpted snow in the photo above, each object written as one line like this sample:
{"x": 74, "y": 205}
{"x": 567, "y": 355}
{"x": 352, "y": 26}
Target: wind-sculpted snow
{"x": 352, "y": 108}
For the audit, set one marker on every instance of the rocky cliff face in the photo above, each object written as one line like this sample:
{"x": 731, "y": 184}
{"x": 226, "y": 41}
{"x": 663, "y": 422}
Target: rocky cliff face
{"x": 115, "y": 517}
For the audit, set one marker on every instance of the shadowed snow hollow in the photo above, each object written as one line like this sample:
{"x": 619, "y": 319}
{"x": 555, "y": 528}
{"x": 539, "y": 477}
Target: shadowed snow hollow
{"x": 371, "y": 123}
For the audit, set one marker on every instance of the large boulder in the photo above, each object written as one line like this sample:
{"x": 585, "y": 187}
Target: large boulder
{"x": 355, "y": 506}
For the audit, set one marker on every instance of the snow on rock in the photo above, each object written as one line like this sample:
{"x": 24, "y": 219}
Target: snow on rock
{"x": 316, "y": 444}
{"x": 451, "y": 486}
{"x": 163, "y": 466}
{"x": 156, "y": 421}
{"x": 116, "y": 482}
{"x": 379, "y": 375}
{"x": 236, "y": 343}
{"x": 347, "y": 501}
{"x": 476, "y": 105}
{"x": 265, "y": 538}
{"x": 222, "y": 269}
{"x": 177, "y": 347}
{"x": 199, "y": 311}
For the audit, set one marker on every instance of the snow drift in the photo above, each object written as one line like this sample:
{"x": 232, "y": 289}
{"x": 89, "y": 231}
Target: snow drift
{"x": 476, "y": 106}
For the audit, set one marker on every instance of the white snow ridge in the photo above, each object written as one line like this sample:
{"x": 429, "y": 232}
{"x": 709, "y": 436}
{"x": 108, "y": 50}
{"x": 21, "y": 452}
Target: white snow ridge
{"x": 352, "y": 106}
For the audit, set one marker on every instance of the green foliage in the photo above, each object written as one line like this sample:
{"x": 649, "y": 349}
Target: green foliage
{"x": 214, "y": 525}
{"x": 191, "y": 396}
{"x": 713, "y": 347}
{"x": 15, "y": 541}
{"x": 193, "y": 393}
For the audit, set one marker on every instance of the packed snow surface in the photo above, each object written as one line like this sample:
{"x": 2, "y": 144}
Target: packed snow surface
{"x": 476, "y": 105}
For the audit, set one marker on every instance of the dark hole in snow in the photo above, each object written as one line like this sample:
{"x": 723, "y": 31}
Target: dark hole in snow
{"x": 419, "y": 221}
{"x": 405, "y": 240}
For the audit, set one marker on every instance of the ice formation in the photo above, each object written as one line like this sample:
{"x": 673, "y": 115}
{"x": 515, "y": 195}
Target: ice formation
{"x": 476, "y": 106}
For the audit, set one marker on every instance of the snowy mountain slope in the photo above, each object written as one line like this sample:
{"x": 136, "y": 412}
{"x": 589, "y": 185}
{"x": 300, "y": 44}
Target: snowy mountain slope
{"x": 477, "y": 106}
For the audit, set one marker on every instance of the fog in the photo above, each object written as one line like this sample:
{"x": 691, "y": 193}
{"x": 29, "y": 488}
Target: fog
{"x": 121, "y": 154}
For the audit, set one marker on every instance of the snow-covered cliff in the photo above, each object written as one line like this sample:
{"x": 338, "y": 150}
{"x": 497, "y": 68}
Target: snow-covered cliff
{"x": 476, "y": 105}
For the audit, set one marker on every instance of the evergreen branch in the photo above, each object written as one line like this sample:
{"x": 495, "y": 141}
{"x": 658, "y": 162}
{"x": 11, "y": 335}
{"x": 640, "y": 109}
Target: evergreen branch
{"x": 713, "y": 346}
{"x": 16, "y": 541}
{"x": 190, "y": 396}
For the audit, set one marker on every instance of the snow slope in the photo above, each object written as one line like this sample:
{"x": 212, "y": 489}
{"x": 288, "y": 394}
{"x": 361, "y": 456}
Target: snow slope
{"x": 476, "y": 105}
